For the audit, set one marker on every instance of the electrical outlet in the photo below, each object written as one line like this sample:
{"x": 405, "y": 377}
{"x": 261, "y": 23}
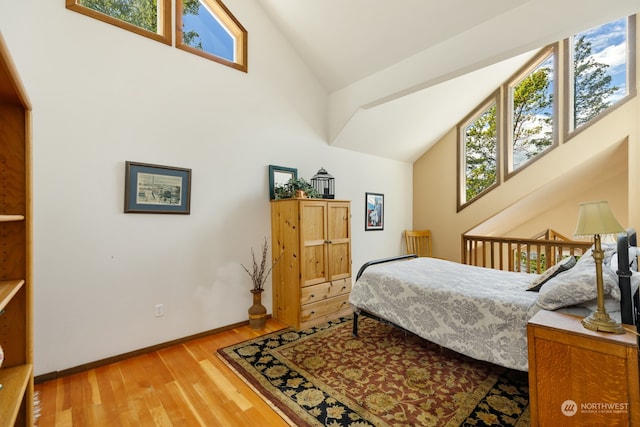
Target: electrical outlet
{"x": 159, "y": 309}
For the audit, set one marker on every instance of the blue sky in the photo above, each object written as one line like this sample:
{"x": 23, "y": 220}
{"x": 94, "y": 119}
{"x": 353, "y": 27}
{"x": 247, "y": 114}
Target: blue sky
{"x": 609, "y": 46}
{"x": 214, "y": 37}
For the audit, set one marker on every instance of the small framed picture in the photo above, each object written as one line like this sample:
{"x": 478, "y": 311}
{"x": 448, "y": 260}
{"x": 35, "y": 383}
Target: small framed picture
{"x": 280, "y": 175}
{"x": 374, "y": 211}
{"x": 157, "y": 189}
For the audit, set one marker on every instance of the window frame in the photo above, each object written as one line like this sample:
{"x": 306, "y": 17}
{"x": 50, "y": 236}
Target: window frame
{"x": 570, "y": 130}
{"x": 507, "y": 114}
{"x": 164, "y": 20}
{"x": 562, "y": 117}
{"x": 166, "y": 31}
{"x": 238, "y": 32}
{"x": 482, "y": 108}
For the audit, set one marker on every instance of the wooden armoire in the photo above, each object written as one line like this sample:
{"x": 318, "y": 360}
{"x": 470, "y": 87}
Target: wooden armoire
{"x": 311, "y": 239}
{"x": 16, "y": 318}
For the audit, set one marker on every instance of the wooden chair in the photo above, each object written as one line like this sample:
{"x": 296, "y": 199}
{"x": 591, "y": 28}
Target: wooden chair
{"x": 418, "y": 242}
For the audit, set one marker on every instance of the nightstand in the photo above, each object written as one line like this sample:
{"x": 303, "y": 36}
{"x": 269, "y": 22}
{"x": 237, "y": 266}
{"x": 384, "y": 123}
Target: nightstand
{"x": 578, "y": 377}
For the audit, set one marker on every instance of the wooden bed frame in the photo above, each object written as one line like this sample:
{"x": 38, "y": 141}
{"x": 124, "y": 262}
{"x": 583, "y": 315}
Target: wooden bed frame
{"x": 629, "y": 304}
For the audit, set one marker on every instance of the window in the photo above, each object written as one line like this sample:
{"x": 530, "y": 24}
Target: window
{"x": 203, "y": 27}
{"x": 207, "y": 28}
{"x": 478, "y": 145}
{"x": 531, "y": 112}
{"x": 149, "y": 18}
{"x": 600, "y": 74}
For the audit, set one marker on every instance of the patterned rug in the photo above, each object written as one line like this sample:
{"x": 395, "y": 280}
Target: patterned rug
{"x": 325, "y": 376}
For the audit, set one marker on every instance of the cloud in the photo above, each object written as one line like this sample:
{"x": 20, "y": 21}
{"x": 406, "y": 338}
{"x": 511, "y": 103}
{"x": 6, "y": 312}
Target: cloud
{"x": 614, "y": 56}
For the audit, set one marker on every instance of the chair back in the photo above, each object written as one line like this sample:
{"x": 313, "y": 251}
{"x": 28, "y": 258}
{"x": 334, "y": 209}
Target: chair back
{"x": 418, "y": 242}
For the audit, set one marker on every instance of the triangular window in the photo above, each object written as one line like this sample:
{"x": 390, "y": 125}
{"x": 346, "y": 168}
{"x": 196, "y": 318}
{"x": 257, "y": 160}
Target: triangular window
{"x": 478, "y": 148}
{"x": 207, "y": 28}
{"x": 149, "y": 18}
{"x": 203, "y": 27}
{"x": 600, "y": 71}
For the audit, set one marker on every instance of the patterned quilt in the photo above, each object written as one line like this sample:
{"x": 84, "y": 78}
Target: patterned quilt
{"x": 476, "y": 311}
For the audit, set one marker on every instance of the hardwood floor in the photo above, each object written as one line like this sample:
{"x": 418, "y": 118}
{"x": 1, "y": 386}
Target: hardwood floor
{"x": 183, "y": 385}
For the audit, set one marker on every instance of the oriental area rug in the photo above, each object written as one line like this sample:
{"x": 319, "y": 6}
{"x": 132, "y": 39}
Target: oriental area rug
{"x": 324, "y": 376}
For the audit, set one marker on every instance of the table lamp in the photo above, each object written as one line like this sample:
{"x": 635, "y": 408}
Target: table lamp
{"x": 594, "y": 219}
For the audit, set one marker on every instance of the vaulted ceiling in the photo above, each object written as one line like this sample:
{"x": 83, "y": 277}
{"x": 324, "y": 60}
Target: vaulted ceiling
{"x": 401, "y": 73}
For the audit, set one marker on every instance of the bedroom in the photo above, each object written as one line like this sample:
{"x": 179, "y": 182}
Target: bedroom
{"x": 103, "y": 99}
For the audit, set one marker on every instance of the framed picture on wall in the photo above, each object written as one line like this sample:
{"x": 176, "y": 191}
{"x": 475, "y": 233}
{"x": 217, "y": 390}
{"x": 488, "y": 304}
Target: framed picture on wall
{"x": 374, "y": 211}
{"x": 280, "y": 175}
{"x": 157, "y": 189}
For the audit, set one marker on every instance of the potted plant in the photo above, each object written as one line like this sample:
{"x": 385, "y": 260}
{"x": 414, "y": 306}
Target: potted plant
{"x": 292, "y": 188}
{"x": 259, "y": 273}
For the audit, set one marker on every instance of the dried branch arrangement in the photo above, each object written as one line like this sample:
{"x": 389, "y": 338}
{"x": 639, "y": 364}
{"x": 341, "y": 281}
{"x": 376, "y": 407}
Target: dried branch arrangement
{"x": 259, "y": 272}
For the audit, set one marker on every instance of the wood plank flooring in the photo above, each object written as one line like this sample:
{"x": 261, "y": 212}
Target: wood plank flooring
{"x": 183, "y": 385}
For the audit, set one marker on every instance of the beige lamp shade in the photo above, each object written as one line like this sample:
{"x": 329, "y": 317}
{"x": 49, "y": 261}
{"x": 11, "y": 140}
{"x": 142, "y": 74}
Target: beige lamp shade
{"x": 596, "y": 218}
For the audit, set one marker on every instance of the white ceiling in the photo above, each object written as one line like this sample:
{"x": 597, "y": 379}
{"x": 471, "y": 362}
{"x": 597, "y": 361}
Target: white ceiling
{"x": 401, "y": 73}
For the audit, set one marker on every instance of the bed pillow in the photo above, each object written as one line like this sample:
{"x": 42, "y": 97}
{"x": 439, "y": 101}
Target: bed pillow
{"x": 609, "y": 250}
{"x": 578, "y": 285}
{"x": 610, "y": 305}
{"x": 564, "y": 265}
{"x": 633, "y": 260}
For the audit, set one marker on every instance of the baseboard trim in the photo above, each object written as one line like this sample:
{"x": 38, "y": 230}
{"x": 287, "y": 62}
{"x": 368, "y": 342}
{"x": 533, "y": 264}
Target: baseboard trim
{"x": 103, "y": 362}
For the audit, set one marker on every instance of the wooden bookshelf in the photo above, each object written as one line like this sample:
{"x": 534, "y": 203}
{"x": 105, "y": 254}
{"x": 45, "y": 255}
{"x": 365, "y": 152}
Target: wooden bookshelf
{"x": 16, "y": 317}
{"x": 8, "y": 289}
{"x": 15, "y": 382}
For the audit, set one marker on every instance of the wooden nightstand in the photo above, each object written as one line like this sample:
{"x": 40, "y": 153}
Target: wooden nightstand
{"x": 579, "y": 377}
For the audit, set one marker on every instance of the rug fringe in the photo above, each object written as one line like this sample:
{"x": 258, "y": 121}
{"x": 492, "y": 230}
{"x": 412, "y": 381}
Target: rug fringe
{"x": 256, "y": 391}
{"x": 37, "y": 408}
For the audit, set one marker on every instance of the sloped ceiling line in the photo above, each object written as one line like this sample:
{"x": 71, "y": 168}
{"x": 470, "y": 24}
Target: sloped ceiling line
{"x": 372, "y": 54}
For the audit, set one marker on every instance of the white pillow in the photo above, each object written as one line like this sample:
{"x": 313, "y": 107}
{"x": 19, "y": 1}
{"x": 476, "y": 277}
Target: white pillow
{"x": 578, "y": 285}
{"x": 608, "y": 248}
{"x": 610, "y": 305}
{"x": 633, "y": 260}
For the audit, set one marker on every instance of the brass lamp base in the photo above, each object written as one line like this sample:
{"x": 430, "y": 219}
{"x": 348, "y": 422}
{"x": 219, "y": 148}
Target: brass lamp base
{"x": 601, "y": 322}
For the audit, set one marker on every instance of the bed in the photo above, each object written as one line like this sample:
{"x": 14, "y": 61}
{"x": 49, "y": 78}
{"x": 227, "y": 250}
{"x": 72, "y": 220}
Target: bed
{"x": 483, "y": 312}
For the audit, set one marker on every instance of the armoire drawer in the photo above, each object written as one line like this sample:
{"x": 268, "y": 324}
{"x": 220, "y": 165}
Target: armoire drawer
{"x": 325, "y": 307}
{"x": 325, "y": 290}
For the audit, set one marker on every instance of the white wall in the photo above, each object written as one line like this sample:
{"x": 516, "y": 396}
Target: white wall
{"x": 101, "y": 96}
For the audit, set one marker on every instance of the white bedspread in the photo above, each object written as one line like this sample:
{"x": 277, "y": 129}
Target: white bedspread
{"x": 479, "y": 312}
